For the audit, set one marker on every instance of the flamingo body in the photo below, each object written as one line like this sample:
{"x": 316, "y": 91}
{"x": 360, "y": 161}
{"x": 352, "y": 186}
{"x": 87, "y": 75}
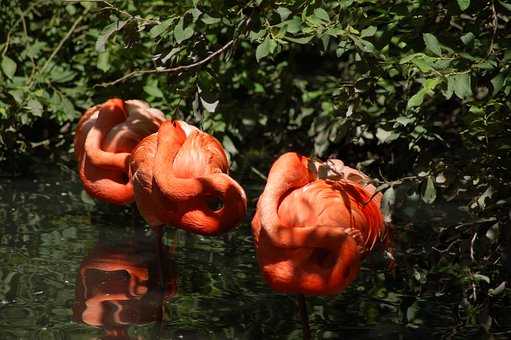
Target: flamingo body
{"x": 179, "y": 174}
{"x": 313, "y": 227}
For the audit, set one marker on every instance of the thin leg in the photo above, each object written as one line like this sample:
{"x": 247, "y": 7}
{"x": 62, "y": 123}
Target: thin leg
{"x": 302, "y": 305}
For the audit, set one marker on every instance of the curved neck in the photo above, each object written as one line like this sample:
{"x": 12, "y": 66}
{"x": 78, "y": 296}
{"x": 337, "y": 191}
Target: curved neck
{"x": 112, "y": 112}
{"x": 170, "y": 138}
{"x": 289, "y": 172}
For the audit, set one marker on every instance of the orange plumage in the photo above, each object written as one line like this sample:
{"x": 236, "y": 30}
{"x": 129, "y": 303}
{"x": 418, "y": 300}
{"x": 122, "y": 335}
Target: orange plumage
{"x": 105, "y": 136}
{"x": 313, "y": 225}
{"x": 180, "y": 178}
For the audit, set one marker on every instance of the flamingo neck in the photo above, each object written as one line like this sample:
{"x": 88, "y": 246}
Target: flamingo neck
{"x": 111, "y": 113}
{"x": 170, "y": 138}
{"x": 289, "y": 172}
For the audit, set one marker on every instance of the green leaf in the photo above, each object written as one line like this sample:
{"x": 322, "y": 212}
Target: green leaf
{"x": 368, "y": 32}
{"x": 209, "y": 20}
{"x": 35, "y": 108}
{"x": 103, "y": 61}
{"x": 385, "y": 136}
{"x": 152, "y": 89}
{"x": 181, "y": 34}
{"x": 432, "y": 43}
{"x": 363, "y": 44}
{"x": 293, "y": 25}
{"x": 429, "y": 194}
{"x": 229, "y": 145}
{"x": 265, "y": 48}
{"x": 256, "y": 36}
{"x": 18, "y": 95}
{"x": 107, "y": 32}
{"x": 460, "y": 84}
{"x": 8, "y": 66}
{"x": 195, "y": 12}
{"x": 283, "y": 12}
{"x": 321, "y": 14}
{"x": 417, "y": 99}
{"x": 467, "y": 38}
{"x": 463, "y": 4}
{"x": 61, "y": 75}
{"x": 301, "y": 40}
{"x": 498, "y": 82}
{"x": 160, "y": 28}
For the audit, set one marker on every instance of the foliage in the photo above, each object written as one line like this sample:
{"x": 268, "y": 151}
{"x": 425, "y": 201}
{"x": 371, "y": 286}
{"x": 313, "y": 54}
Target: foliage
{"x": 388, "y": 86}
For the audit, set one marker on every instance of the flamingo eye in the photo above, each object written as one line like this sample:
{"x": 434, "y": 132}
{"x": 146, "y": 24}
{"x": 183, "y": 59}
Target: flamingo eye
{"x": 214, "y": 203}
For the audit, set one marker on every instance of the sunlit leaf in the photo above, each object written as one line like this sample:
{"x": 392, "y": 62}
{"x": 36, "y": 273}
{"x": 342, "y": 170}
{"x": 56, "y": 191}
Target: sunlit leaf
{"x": 368, "y": 32}
{"x": 322, "y": 14}
{"x": 209, "y": 20}
{"x": 463, "y": 4}
{"x": 180, "y": 33}
{"x": 432, "y": 43}
{"x": 152, "y": 89}
{"x": 8, "y": 66}
{"x": 103, "y": 61}
{"x": 301, "y": 40}
{"x": 265, "y": 48}
{"x": 160, "y": 28}
{"x": 427, "y": 88}
{"x": 35, "y": 108}
{"x": 283, "y": 12}
{"x": 429, "y": 193}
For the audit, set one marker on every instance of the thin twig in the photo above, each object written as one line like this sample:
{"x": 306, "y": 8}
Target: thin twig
{"x": 494, "y": 24}
{"x": 178, "y": 69}
{"x": 480, "y": 221}
{"x": 258, "y": 173}
{"x": 57, "y": 49}
{"x": 25, "y": 31}
{"x": 472, "y": 243}
{"x": 446, "y": 249}
{"x": 386, "y": 184}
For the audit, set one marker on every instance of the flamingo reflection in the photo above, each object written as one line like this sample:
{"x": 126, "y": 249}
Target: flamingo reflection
{"x": 124, "y": 284}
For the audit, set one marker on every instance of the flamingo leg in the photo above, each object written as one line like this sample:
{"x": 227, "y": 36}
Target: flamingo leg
{"x": 304, "y": 315}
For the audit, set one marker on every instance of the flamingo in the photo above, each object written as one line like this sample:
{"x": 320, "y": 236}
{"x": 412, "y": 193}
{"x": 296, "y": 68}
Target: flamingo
{"x": 313, "y": 225}
{"x": 180, "y": 178}
{"x": 105, "y": 136}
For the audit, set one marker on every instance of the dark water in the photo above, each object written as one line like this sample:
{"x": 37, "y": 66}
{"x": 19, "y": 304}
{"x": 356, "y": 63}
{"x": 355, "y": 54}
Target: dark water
{"x": 72, "y": 268}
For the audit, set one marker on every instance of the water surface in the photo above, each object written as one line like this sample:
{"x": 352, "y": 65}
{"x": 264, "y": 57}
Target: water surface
{"x": 73, "y": 268}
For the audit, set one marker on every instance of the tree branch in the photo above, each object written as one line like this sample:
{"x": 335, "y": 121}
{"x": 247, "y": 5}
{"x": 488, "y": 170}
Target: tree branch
{"x": 178, "y": 69}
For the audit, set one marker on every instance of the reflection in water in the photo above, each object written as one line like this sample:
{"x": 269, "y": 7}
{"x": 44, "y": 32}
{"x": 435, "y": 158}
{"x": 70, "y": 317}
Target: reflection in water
{"x": 124, "y": 283}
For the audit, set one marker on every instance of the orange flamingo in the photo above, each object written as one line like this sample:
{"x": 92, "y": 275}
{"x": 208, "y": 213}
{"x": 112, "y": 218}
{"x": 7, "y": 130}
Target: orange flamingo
{"x": 314, "y": 223}
{"x": 180, "y": 178}
{"x": 104, "y": 139}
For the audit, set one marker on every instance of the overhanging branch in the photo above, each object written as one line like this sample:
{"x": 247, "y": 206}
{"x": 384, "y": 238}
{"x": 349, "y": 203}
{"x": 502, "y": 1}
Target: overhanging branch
{"x": 178, "y": 69}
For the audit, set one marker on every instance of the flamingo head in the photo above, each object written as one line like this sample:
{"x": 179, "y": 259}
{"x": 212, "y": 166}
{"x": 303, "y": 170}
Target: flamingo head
{"x": 221, "y": 206}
